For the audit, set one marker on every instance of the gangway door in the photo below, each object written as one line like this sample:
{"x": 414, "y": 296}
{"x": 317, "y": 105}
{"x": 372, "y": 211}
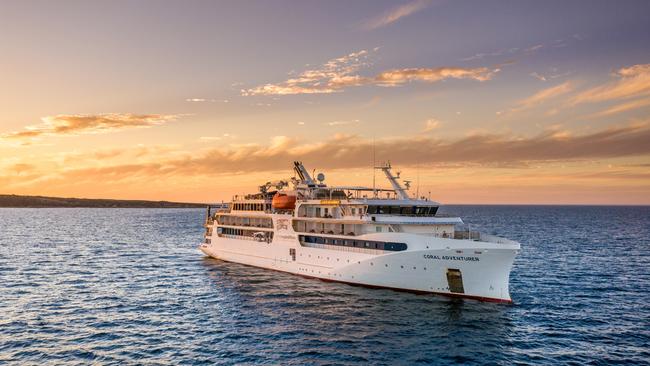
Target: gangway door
{"x": 455, "y": 281}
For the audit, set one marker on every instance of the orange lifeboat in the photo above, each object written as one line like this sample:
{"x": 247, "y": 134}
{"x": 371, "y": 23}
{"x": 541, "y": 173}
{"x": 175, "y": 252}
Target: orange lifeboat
{"x": 283, "y": 201}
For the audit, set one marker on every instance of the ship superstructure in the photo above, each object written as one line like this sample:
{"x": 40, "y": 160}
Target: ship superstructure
{"x": 360, "y": 235}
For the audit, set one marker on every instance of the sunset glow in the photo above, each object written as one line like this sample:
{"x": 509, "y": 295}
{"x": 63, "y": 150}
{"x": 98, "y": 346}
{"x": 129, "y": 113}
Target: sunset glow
{"x": 524, "y": 102}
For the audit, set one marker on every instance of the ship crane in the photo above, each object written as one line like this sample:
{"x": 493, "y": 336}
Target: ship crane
{"x": 303, "y": 174}
{"x": 393, "y": 179}
{"x": 279, "y": 184}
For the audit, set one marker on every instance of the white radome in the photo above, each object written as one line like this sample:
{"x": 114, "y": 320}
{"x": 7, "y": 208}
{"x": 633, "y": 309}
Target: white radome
{"x": 365, "y": 236}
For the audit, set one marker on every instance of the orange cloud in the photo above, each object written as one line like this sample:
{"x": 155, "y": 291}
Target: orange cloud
{"x": 90, "y": 123}
{"x": 633, "y": 81}
{"x": 431, "y": 75}
{"x": 340, "y": 73}
{"x": 396, "y": 14}
{"x": 344, "y": 152}
{"x": 542, "y": 96}
{"x": 623, "y": 107}
{"x": 431, "y": 124}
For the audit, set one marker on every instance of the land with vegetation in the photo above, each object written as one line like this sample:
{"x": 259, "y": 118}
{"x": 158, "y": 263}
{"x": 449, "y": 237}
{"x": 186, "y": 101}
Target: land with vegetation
{"x": 11, "y": 200}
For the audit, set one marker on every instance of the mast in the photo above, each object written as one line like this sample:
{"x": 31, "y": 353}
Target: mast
{"x": 399, "y": 190}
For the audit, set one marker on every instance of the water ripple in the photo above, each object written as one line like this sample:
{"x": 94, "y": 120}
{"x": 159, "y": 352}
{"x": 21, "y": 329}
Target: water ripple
{"x": 128, "y": 286}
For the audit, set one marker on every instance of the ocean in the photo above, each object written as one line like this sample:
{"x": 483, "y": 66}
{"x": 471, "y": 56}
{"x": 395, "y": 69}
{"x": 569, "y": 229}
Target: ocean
{"x": 129, "y": 286}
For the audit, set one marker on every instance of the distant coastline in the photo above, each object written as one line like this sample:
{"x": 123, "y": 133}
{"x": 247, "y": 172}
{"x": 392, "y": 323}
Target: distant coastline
{"x": 11, "y": 200}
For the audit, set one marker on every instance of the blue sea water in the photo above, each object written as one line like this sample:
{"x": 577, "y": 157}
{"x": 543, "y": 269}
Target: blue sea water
{"x": 128, "y": 286}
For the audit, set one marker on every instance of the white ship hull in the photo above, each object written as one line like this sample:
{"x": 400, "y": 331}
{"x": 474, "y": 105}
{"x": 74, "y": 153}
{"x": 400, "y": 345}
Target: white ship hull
{"x": 424, "y": 267}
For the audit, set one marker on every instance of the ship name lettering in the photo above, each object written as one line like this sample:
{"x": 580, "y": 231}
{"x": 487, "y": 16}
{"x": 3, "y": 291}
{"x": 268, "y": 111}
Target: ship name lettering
{"x": 451, "y": 258}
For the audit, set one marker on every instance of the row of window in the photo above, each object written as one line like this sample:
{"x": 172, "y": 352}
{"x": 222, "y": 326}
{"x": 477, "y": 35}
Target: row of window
{"x": 263, "y": 236}
{"x": 245, "y": 221}
{"x": 369, "y": 244}
{"x": 403, "y": 210}
{"x": 251, "y": 206}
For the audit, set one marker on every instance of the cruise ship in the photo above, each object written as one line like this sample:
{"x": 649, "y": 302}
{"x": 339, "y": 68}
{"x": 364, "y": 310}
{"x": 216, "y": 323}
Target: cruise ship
{"x": 380, "y": 238}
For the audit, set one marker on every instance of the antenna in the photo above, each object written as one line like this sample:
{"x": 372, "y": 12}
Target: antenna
{"x": 374, "y": 190}
{"x": 417, "y": 187}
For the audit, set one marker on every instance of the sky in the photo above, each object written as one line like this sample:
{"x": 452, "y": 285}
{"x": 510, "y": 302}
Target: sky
{"x": 513, "y": 102}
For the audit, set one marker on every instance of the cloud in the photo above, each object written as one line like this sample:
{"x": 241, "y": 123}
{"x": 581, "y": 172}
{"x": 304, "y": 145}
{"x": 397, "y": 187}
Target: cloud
{"x": 522, "y": 51}
{"x": 396, "y": 14}
{"x": 401, "y": 76}
{"x": 328, "y": 78}
{"x": 202, "y": 100}
{"x": 623, "y": 107}
{"x": 533, "y": 48}
{"x": 342, "y": 123}
{"x": 633, "y": 81}
{"x": 66, "y": 124}
{"x": 340, "y": 73}
{"x": 209, "y": 138}
{"x": 348, "y": 151}
{"x": 542, "y": 96}
{"x": 431, "y": 124}
{"x": 553, "y": 75}
{"x": 538, "y": 76}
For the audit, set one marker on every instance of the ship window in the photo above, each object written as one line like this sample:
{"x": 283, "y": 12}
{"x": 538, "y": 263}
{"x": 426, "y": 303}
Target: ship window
{"x": 317, "y": 211}
{"x": 378, "y": 229}
{"x": 394, "y": 210}
{"x": 353, "y": 211}
{"x": 407, "y": 210}
{"x": 372, "y": 210}
{"x": 327, "y": 211}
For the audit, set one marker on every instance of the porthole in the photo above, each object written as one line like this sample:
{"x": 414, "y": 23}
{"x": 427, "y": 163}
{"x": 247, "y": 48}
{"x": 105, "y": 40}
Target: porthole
{"x": 372, "y": 264}
{"x": 386, "y": 265}
{"x": 401, "y": 266}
